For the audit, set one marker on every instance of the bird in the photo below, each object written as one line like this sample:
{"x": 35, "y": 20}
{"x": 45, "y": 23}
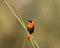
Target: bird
{"x": 30, "y": 28}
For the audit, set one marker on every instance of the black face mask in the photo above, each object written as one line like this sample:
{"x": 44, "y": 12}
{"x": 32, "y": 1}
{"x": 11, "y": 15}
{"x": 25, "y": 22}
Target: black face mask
{"x": 30, "y": 21}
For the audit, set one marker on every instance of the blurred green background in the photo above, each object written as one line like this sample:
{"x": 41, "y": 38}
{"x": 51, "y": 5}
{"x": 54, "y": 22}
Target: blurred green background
{"x": 45, "y": 14}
